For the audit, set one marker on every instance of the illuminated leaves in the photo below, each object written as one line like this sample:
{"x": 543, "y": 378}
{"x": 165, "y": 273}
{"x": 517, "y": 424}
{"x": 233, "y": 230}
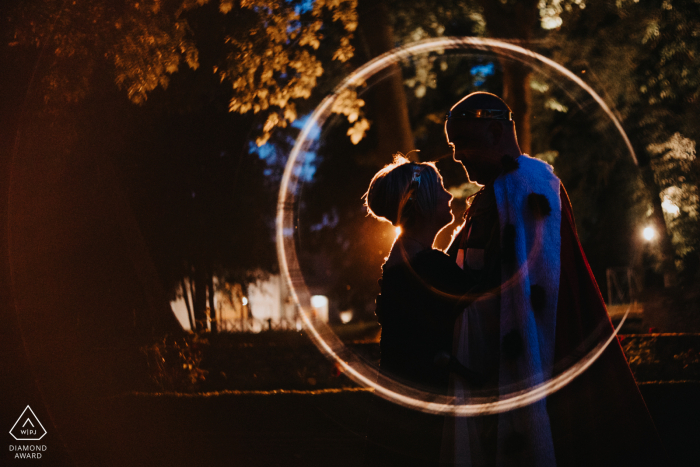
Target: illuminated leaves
{"x": 145, "y": 41}
{"x": 551, "y": 10}
{"x": 674, "y": 174}
{"x": 151, "y": 48}
{"x": 272, "y": 49}
{"x": 358, "y": 130}
{"x": 425, "y": 76}
{"x": 272, "y": 63}
{"x": 225, "y": 6}
{"x": 671, "y": 64}
{"x": 347, "y": 103}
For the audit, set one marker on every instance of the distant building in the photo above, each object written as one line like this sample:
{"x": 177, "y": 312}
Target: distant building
{"x": 270, "y": 299}
{"x": 268, "y": 303}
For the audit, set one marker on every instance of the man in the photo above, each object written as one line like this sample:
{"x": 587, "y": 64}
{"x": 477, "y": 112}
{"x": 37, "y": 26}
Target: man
{"x": 539, "y": 311}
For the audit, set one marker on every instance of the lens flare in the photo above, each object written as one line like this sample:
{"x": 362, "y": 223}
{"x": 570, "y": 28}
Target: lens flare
{"x": 324, "y": 338}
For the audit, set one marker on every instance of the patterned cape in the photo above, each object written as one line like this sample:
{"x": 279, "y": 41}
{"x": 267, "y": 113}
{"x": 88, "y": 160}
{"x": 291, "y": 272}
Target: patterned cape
{"x": 550, "y": 313}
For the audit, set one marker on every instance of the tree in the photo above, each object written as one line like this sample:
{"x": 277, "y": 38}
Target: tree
{"x": 264, "y": 58}
{"x": 268, "y": 48}
{"x": 648, "y": 77}
{"x": 668, "y": 77}
{"x": 641, "y": 55}
{"x": 389, "y": 108}
{"x": 517, "y": 21}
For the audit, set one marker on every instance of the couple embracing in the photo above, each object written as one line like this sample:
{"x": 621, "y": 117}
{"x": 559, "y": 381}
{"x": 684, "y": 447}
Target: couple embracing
{"x": 509, "y": 305}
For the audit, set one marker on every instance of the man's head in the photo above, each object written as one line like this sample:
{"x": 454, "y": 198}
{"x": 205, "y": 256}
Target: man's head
{"x": 481, "y": 131}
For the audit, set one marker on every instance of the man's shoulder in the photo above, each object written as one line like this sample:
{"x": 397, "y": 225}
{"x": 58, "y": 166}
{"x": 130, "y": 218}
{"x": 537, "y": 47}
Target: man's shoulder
{"x": 532, "y": 176}
{"x": 529, "y": 170}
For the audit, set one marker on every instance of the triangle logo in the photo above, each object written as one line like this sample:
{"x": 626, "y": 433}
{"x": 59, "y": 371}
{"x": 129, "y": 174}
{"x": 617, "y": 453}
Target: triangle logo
{"x": 28, "y": 427}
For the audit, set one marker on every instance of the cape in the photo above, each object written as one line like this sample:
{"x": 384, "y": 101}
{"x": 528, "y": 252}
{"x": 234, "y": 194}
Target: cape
{"x": 550, "y": 313}
{"x": 600, "y": 418}
{"x": 529, "y": 215}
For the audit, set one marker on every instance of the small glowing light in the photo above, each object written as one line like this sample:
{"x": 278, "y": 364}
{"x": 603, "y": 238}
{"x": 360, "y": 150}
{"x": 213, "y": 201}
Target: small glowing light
{"x": 318, "y": 301}
{"x": 244, "y": 301}
{"x": 346, "y": 316}
{"x": 648, "y": 233}
{"x": 397, "y": 230}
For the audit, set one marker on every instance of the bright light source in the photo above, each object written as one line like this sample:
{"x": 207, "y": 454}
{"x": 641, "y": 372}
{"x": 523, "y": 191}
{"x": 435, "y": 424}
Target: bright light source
{"x": 346, "y": 316}
{"x": 244, "y": 301}
{"x": 649, "y": 233}
{"x": 397, "y": 230}
{"x": 318, "y": 301}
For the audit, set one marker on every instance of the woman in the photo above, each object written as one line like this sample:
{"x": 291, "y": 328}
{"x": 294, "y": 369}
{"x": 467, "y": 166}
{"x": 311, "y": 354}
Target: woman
{"x": 422, "y": 293}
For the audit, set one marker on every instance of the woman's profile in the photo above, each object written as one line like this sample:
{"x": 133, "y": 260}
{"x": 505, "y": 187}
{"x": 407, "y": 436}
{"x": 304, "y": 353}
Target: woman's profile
{"x": 422, "y": 293}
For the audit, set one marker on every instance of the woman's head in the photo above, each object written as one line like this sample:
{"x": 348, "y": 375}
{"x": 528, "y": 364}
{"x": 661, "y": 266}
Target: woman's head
{"x": 406, "y": 192}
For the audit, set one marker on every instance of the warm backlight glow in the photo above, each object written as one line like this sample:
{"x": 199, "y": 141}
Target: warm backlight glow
{"x": 397, "y": 230}
{"x": 649, "y": 233}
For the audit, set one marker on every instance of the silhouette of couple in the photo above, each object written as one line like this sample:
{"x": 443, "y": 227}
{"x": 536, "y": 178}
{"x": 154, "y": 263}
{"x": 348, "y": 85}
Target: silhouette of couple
{"x": 509, "y": 305}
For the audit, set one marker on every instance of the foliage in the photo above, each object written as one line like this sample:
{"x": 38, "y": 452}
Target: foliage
{"x": 269, "y": 57}
{"x": 435, "y": 18}
{"x": 638, "y": 56}
{"x": 175, "y": 362}
{"x": 144, "y": 41}
{"x": 669, "y": 83}
{"x": 663, "y": 357}
{"x": 204, "y": 201}
{"x": 670, "y": 69}
{"x": 674, "y": 174}
{"x": 262, "y": 60}
{"x": 262, "y": 67}
{"x": 551, "y": 11}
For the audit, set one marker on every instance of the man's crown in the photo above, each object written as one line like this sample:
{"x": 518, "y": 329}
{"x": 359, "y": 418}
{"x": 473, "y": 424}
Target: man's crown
{"x": 491, "y": 114}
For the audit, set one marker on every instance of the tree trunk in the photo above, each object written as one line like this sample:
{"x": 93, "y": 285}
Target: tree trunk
{"x": 187, "y": 304}
{"x": 516, "y": 92}
{"x": 515, "y": 22}
{"x": 387, "y": 100}
{"x": 212, "y": 309}
{"x": 194, "y": 316}
{"x": 200, "y": 298}
{"x": 666, "y": 249}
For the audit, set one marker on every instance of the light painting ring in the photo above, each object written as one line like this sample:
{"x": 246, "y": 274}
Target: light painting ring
{"x": 324, "y": 338}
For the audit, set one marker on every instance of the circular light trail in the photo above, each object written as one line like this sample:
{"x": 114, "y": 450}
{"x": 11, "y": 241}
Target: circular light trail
{"x": 324, "y": 338}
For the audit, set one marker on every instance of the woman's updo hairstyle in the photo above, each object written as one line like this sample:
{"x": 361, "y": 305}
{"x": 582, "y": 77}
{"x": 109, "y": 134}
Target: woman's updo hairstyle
{"x": 404, "y": 192}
